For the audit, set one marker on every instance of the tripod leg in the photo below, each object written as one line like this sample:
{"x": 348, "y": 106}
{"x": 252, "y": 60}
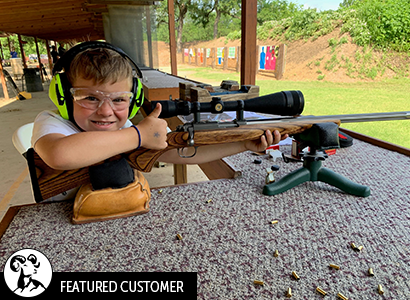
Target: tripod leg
{"x": 287, "y": 182}
{"x": 328, "y": 176}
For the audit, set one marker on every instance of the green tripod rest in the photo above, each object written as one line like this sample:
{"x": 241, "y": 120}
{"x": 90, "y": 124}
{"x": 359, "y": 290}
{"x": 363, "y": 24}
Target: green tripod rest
{"x": 319, "y": 138}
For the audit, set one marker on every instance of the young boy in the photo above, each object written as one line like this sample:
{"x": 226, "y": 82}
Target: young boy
{"x": 100, "y": 129}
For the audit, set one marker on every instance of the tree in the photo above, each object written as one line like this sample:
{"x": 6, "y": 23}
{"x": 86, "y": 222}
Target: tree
{"x": 274, "y": 10}
{"x": 181, "y": 9}
{"x": 201, "y": 11}
{"x": 348, "y": 3}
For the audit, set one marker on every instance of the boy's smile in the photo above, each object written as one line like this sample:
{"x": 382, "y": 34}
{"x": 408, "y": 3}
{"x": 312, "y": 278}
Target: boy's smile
{"x": 103, "y": 118}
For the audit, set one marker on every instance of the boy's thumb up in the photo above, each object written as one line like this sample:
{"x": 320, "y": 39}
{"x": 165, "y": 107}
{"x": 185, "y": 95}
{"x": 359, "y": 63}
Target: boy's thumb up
{"x": 153, "y": 130}
{"x": 157, "y": 111}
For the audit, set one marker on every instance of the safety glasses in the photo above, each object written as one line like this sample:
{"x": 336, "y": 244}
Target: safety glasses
{"x": 92, "y": 99}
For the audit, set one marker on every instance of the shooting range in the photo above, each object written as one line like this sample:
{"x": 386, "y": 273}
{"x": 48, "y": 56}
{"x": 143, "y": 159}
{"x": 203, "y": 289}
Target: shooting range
{"x": 306, "y": 218}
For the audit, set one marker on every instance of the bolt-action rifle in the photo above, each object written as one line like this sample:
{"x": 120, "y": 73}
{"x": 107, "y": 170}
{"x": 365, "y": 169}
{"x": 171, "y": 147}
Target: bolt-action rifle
{"x": 286, "y": 106}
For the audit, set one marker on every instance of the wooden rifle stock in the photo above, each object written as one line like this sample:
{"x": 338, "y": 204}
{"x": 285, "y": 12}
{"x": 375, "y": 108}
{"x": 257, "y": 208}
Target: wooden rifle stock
{"x": 48, "y": 182}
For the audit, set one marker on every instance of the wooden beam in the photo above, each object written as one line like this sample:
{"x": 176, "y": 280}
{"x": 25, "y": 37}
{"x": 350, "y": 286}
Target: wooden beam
{"x": 172, "y": 42}
{"x": 23, "y": 55}
{"x": 83, "y": 33}
{"x": 121, "y": 2}
{"x": 52, "y": 21}
{"x": 50, "y": 61}
{"x": 62, "y": 12}
{"x": 248, "y": 42}
{"x": 3, "y": 83}
{"x": 39, "y": 60}
{"x": 39, "y": 4}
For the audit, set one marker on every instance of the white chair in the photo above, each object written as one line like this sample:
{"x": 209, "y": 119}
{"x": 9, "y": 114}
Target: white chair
{"x": 22, "y": 138}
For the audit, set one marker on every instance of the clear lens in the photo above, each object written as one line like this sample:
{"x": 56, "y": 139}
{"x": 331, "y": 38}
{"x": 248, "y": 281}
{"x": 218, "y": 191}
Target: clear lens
{"x": 92, "y": 99}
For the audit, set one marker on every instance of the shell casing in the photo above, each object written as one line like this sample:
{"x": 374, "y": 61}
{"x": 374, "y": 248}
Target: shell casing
{"x": 353, "y": 246}
{"x": 179, "y": 237}
{"x": 371, "y": 273}
{"x": 295, "y": 275}
{"x": 274, "y": 222}
{"x": 276, "y": 254}
{"x": 334, "y": 266}
{"x": 341, "y": 296}
{"x": 289, "y": 293}
{"x": 258, "y": 282}
{"x": 319, "y": 290}
{"x": 209, "y": 201}
{"x": 360, "y": 248}
{"x": 380, "y": 289}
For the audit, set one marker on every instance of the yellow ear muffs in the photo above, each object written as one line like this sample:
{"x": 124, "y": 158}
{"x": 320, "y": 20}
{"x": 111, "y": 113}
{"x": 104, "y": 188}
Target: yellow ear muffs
{"x": 58, "y": 94}
{"x": 138, "y": 98}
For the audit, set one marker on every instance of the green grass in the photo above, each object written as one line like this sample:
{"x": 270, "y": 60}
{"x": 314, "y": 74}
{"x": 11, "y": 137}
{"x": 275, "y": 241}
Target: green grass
{"x": 328, "y": 98}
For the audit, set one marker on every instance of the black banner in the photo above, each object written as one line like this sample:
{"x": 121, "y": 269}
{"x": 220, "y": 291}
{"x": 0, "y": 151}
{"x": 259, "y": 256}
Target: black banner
{"x": 129, "y": 285}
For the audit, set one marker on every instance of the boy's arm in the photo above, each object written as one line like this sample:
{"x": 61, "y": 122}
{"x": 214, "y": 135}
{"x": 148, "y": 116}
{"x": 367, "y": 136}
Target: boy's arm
{"x": 87, "y": 148}
{"x": 214, "y": 152}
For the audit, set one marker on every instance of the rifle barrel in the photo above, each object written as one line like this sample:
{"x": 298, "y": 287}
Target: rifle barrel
{"x": 349, "y": 118}
{"x": 371, "y": 117}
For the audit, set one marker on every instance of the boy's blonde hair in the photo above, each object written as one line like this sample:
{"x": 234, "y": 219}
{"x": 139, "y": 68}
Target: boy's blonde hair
{"x": 101, "y": 65}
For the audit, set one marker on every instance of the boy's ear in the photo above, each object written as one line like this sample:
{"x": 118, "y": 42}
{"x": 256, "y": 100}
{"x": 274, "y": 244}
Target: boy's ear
{"x": 59, "y": 93}
{"x": 138, "y": 97}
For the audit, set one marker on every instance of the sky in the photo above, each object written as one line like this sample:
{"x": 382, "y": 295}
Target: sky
{"x": 319, "y": 4}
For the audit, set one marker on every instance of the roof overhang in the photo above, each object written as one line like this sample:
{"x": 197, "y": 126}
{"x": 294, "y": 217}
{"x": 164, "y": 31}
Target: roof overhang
{"x": 58, "y": 20}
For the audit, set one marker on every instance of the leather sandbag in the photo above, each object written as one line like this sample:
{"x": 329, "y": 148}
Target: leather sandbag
{"x": 105, "y": 204}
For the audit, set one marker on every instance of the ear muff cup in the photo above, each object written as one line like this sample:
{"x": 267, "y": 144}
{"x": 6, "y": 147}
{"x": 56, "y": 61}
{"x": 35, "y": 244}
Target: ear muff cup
{"x": 59, "y": 93}
{"x": 138, "y": 98}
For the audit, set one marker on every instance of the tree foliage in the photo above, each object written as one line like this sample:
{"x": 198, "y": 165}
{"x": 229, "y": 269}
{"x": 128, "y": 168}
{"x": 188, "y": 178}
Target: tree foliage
{"x": 29, "y": 46}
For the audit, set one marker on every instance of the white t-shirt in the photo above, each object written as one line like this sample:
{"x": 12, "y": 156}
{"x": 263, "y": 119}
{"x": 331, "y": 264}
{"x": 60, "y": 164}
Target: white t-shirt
{"x": 48, "y": 122}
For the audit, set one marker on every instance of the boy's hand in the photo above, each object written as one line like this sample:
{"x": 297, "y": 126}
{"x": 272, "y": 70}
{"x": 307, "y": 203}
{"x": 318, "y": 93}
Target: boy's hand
{"x": 265, "y": 141}
{"x": 153, "y": 130}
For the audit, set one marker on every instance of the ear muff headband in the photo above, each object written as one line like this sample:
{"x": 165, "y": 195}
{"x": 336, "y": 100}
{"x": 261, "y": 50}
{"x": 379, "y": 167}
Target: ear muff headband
{"x": 59, "y": 90}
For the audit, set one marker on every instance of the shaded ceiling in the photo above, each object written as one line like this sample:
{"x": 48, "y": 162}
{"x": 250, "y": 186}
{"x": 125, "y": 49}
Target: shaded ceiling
{"x": 58, "y": 19}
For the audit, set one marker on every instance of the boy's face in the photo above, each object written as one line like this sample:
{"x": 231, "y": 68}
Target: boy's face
{"x": 104, "y": 118}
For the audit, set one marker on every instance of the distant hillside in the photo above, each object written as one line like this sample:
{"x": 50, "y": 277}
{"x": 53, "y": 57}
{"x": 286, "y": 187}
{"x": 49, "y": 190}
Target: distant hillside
{"x": 368, "y": 40}
{"x": 331, "y": 57}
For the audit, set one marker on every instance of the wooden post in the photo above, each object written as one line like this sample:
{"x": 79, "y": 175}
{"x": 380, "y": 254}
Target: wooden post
{"x": 204, "y": 54}
{"x": 23, "y": 56}
{"x": 39, "y": 60}
{"x": 172, "y": 43}
{"x": 280, "y": 62}
{"x": 225, "y": 57}
{"x": 213, "y": 56}
{"x": 8, "y": 41}
{"x": 50, "y": 60}
{"x": 257, "y": 59}
{"x": 149, "y": 36}
{"x": 238, "y": 59}
{"x": 248, "y": 42}
{"x": 3, "y": 83}
{"x": 2, "y": 54}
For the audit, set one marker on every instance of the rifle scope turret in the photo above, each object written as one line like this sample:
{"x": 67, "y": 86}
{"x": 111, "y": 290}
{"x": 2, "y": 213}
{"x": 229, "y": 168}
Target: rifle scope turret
{"x": 285, "y": 103}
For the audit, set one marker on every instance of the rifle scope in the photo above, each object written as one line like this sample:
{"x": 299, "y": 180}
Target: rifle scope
{"x": 285, "y": 103}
